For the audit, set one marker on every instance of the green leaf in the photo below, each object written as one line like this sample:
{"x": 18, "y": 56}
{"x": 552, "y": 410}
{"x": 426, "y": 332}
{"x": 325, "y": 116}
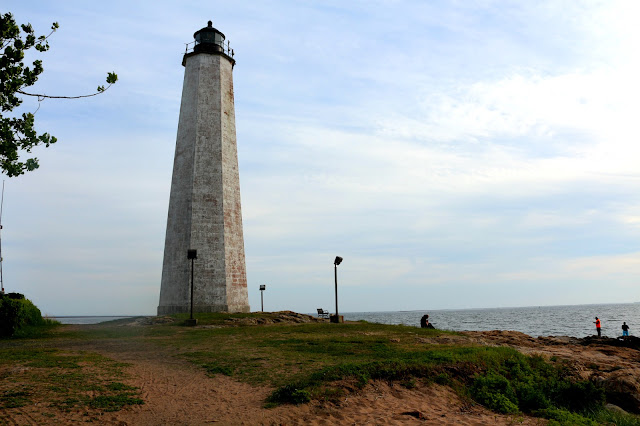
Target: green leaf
{"x": 32, "y": 164}
{"x": 112, "y": 77}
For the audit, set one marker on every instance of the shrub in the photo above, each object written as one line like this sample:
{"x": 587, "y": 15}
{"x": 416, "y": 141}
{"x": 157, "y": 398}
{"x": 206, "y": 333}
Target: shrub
{"x": 15, "y": 296}
{"x": 290, "y": 394}
{"x": 495, "y": 392}
{"x": 17, "y": 312}
{"x": 579, "y": 396}
{"x": 529, "y": 384}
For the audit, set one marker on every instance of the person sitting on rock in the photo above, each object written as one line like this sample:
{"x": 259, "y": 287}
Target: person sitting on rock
{"x": 424, "y": 321}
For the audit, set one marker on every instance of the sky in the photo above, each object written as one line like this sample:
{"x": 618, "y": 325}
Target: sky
{"x": 456, "y": 154}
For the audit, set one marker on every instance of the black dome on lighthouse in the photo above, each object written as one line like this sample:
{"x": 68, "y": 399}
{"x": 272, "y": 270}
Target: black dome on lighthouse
{"x": 209, "y": 39}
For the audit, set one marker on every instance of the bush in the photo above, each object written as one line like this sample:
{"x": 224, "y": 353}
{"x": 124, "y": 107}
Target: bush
{"x": 17, "y": 312}
{"x": 290, "y": 394}
{"x": 495, "y": 392}
{"x": 15, "y": 296}
{"x": 579, "y": 396}
{"x": 529, "y": 384}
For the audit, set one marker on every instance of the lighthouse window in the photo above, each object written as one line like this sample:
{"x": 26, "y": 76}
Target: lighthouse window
{"x": 210, "y": 38}
{"x": 219, "y": 40}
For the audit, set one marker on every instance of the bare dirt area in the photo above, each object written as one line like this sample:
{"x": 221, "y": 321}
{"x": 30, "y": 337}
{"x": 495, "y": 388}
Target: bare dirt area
{"x": 177, "y": 392}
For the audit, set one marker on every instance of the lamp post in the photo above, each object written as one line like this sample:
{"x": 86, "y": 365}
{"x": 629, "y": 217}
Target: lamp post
{"x": 192, "y": 254}
{"x": 336, "y": 262}
{"x": 262, "y": 289}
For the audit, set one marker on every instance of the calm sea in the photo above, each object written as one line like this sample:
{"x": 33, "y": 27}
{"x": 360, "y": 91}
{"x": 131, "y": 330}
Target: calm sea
{"x": 86, "y": 320}
{"x": 572, "y": 320}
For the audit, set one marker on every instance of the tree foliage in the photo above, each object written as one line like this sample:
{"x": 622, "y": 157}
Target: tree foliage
{"x": 17, "y": 133}
{"x": 17, "y": 312}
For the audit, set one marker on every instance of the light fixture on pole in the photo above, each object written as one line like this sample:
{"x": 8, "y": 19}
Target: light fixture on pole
{"x": 262, "y": 289}
{"x": 336, "y": 318}
{"x": 192, "y": 254}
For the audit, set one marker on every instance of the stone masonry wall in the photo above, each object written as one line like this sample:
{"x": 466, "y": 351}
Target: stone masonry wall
{"x": 204, "y": 207}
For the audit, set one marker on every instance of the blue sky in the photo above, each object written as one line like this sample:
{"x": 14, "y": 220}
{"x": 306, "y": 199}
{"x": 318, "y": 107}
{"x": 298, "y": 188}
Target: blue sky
{"x": 455, "y": 154}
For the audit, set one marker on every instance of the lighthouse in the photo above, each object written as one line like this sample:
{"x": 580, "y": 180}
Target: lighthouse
{"x": 204, "y": 204}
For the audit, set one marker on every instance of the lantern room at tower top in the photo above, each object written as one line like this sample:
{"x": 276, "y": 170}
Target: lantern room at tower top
{"x": 209, "y": 40}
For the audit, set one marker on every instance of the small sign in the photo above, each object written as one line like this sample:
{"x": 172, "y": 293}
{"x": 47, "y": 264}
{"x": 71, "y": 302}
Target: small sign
{"x": 263, "y": 287}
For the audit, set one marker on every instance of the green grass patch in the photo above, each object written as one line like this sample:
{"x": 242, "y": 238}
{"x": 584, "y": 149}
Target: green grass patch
{"x": 614, "y": 417}
{"x": 113, "y": 402}
{"x": 15, "y": 398}
{"x": 61, "y": 380}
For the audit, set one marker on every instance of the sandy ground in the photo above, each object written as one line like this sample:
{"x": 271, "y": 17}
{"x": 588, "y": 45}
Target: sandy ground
{"x": 178, "y": 393}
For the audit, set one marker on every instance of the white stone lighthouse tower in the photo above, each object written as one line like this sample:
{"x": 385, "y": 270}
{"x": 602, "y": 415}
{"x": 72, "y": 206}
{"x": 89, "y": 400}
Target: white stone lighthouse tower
{"x": 204, "y": 207}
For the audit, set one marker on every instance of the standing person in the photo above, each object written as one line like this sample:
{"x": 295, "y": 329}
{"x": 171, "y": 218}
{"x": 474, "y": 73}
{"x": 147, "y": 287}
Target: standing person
{"x": 597, "y": 323}
{"x": 625, "y": 330}
{"x": 424, "y": 321}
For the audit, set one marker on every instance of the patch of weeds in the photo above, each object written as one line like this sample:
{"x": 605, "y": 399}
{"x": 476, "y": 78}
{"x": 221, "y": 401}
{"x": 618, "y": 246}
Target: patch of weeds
{"x": 68, "y": 403}
{"x": 218, "y": 369}
{"x": 410, "y": 383}
{"x": 113, "y": 402}
{"x": 7, "y": 355}
{"x": 442, "y": 379}
{"x": 529, "y": 384}
{"x": 562, "y": 417}
{"x": 331, "y": 394}
{"x": 15, "y": 398}
{"x": 495, "y": 392}
{"x": 578, "y": 396}
{"x": 117, "y": 386}
{"x": 607, "y": 416}
{"x": 64, "y": 380}
{"x": 37, "y": 331}
{"x": 290, "y": 394}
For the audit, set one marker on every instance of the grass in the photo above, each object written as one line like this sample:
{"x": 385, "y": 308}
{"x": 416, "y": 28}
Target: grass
{"x": 276, "y": 354}
{"x": 33, "y": 371}
{"x": 304, "y": 362}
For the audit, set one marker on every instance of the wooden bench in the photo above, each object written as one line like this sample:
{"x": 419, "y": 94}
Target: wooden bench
{"x": 322, "y": 313}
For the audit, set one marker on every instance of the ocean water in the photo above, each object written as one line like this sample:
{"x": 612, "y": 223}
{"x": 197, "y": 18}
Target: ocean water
{"x": 572, "y": 320}
{"x": 85, "y": 320}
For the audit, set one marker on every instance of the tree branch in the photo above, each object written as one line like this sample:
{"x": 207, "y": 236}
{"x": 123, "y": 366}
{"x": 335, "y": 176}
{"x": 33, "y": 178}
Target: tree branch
{"x": 42, "y": 97}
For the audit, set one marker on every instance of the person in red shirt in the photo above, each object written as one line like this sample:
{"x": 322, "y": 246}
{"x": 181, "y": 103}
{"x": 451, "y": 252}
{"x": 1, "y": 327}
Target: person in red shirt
{"x": 597, "y": 323}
